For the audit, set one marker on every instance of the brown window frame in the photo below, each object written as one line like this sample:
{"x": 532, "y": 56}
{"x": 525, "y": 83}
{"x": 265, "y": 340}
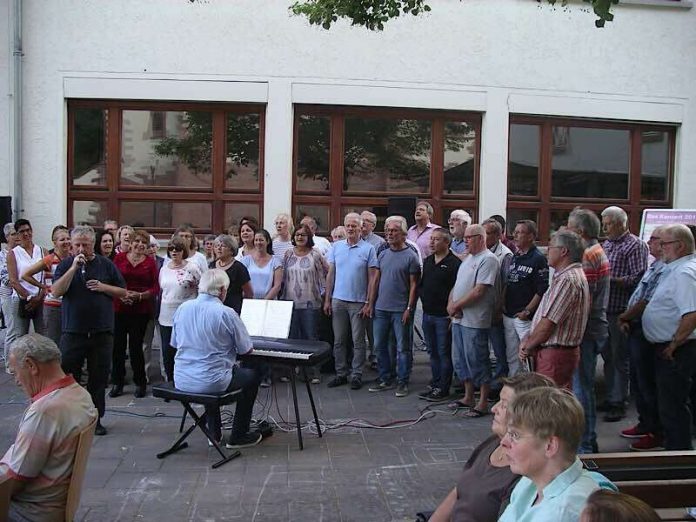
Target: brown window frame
{"x": 336, "y": 198}
{"x": 114, "y": 192}
{"x": 544, "y": 203}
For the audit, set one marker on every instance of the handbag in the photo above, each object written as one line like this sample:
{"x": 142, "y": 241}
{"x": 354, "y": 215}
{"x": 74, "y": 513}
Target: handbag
{"x": 23, "y": 312}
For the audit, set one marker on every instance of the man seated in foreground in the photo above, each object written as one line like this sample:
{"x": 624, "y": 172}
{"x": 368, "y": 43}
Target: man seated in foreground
{"x": 486, "y": 481}
{"x": 208, "y": 336}
{"x": 35, "y": 472}
{"x": 544, "y": 431}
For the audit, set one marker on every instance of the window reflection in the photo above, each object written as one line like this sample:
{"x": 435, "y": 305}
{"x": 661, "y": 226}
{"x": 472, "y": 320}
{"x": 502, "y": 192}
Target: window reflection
{"x": 242, "y": 156}
{"x": 313, "y": 146}
{"x": 382, "y": 213}
{"x": 167, "y": 214}
{"x": 387, "y": 155}
{"x": 320, "y": 213}
{"x": 517, "y": 214}
{"x": 234, "y": 212}
{"x": 166, "y": 148}
{"x": 89, "y": 156}
{"x": 523, "y": 163}
{"x": 460, "y": 155}
{"x": 590, "y": 163}
{"x": 654, "y": 165}
{"x": 91, "y": 212}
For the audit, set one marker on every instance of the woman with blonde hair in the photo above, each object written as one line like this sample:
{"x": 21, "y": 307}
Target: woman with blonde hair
{"x": 610, "y": 506}
{"x": 282, "y": 241}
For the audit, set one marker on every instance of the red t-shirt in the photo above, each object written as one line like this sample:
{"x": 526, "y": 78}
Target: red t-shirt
{"x": 142, "y": 277}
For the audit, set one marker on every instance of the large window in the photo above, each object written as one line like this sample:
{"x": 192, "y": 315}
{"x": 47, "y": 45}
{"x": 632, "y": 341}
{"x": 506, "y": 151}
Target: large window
{"x": 164, "y": 164}
{"x": 557, "y": 164}
{"x": 353, "y": 159}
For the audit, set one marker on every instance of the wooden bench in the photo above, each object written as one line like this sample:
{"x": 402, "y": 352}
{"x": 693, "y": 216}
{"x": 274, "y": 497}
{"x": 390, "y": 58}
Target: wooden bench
{"x": 666, "y": 480}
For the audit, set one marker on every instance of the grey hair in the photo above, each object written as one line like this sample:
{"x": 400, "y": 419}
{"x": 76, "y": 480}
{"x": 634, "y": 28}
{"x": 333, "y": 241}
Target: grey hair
{"x": 313, "y": 222}
{"x": 463, "y": 215}
{"x": 83, "y": 231}
{"x": 213, "y": 282}
{"x": 229, "y": 242}
{"x": 496, "y": 226}
{"x": 398, "y": 219}
{"x": 8, "y": 229}
{"x": 586, "y": 221}
{"x": 572, "y": 242}
{"x": 40, "y": 348}
{"x": 353, "y": 215}
{"x": 371, "y": 215}
{"x": 339, "y": 230}
{"x": 477, "y": 230}
{"x": 616, "y": 214}
{"x": 110, "y": 222}
{"x": 681, "y": 233}
{"x": 286, "y": 217}
{"x": 427, "y": 205}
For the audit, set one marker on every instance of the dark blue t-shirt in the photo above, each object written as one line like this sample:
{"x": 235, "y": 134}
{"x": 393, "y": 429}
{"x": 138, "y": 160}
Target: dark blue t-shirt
{"x": 83, "y": 310}
{"x": 528, "y": 275}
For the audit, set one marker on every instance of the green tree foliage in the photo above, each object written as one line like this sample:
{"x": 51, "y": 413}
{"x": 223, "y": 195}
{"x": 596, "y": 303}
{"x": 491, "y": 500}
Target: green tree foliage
{"x": 373, "y": 14}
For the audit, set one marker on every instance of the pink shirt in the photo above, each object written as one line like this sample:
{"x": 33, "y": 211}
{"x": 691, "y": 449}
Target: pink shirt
{"x": 422, "y": 239}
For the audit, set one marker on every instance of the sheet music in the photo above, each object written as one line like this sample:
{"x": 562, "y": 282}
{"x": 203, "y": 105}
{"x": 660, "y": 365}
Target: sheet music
{"x": 267, "y": 318}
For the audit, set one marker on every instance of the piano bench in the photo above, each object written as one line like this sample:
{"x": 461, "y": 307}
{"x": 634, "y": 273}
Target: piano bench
{"x": 167, "y": 391}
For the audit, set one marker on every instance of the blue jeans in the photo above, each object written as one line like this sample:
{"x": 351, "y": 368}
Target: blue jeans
{"x": 584, "y": 390}
{"x": 304, "y": 323}
{"x": 474, "y": 343}
{"x": 497, "y": 335}
{"x": 384, "y": 324}
{"x": 438, "y": 338}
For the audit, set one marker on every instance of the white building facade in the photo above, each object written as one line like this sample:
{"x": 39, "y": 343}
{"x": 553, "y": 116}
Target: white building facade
{"x": 171, "y": 111}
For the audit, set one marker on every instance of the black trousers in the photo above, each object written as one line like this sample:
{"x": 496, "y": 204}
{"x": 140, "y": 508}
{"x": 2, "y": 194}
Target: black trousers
{"x": 248, "y": 379}
{"x": 96, "y": 348}
{"x": 674, "y": 380}
{"x": 129, "y": 330}
{"x": 168, "y": 352}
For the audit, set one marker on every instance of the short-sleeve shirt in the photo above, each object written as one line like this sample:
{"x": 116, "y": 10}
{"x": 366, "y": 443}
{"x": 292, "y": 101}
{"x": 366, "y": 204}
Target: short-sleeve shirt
{"x": 43, "y": 452}
{"x": 207, "y": 336}
{"x": 482, "y": 488}
{"x": 628, "y": 258}
{"x": 261, "y": 277}
{"x": 477, "y": 269}
{"x": 178, "y": 285}
{"x": 674, "y": 297}
{"x": 51, "y": 262}
{"x": 143, "y": 277}
{"x": 528, "y": 276}
{"x": 200, "y": 260}
{"x": 595, "y": 264}
{"x": 436, "y": 283}
{"x": 564, "y": 497}
{"x": 85, "y": 311}
{"x": 422, "y": 239}
{"x": 304, "y": 278}
{"x": 567, "y": 305}
{"x": 238, "y": 275}
{"x": 395, "y": 268}
{"x": 351, "y": 265}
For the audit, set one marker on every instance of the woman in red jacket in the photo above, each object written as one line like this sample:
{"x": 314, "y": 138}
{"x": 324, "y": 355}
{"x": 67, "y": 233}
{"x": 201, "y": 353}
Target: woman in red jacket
{"x": 133, "y": 313}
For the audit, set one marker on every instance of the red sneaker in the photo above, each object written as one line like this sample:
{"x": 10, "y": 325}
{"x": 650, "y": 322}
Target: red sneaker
{"x": 633, "y": 433}
{"x": 647, "y": 442}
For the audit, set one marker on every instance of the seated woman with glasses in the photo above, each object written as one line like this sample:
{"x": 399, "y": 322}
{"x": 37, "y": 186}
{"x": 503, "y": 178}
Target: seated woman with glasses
{"x": 178, "y": 281}
{"x": 544, "y": 431}
{"x": 487, "y": 481}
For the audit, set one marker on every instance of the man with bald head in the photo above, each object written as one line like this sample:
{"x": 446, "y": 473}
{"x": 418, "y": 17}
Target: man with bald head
{"x": 669, "y": 321}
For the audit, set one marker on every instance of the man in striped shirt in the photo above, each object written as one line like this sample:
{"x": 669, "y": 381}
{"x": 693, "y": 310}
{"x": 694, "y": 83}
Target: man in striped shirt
{"x": 559, "y": 323}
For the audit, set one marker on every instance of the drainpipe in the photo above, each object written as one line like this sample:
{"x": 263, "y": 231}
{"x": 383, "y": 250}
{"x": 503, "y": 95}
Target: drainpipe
{"x": 16, "y": 109}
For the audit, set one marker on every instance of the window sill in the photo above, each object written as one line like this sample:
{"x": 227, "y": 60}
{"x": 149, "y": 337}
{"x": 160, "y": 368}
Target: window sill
{"x": 680, "y": 4}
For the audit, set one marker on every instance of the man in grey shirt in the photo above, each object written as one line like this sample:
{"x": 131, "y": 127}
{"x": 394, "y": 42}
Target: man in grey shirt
{"x": 399, "y": 271}
{"x": 471, "y": 305}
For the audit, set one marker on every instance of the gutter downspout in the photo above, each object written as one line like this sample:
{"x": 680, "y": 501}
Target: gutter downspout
{"x": 16, "y": 109}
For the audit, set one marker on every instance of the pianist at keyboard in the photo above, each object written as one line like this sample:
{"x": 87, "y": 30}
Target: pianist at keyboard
{"x": 208, "y": 337}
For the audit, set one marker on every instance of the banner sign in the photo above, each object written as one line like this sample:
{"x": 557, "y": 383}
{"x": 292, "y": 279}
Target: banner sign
{"x": 653, "y": 217}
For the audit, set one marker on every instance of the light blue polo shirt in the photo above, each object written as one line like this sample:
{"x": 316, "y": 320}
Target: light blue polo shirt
{"x": 351, "y": 264}
{"x": 564, "y": 497}
{"x": 207, "y": 336}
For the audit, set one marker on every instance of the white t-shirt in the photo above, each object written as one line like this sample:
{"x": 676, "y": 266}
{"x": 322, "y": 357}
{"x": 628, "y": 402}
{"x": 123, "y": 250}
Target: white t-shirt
{"x": 199, "y": 260}
{"x": 178, "y": 285}
{"x": 321, "y": 244}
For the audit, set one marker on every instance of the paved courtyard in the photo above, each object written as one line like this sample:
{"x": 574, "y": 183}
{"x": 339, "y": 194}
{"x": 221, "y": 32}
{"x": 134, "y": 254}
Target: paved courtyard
{"x": 351, "y": 474}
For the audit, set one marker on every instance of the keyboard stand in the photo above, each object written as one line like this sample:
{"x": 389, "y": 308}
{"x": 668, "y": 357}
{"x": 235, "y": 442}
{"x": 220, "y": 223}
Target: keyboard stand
{"x": 297, "y": 410}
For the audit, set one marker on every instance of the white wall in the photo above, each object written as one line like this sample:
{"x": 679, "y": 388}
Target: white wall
{"x": 5, "y": 56}
{"x": 519, "y": 56}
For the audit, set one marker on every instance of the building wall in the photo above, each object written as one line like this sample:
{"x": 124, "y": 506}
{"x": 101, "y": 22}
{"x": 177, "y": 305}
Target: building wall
{"x": 5, "y": 57}
{"x": 519, "y": 57}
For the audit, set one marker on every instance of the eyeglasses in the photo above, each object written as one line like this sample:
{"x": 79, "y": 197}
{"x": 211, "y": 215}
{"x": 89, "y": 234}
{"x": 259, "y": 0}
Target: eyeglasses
{"x": 300, "y": 235}
{"x": 467, "y": 238}
{"x": 515, "y": 436}
{"x": 175, "y": 249}
{"x": 653, "y": 238}
{"x": 24, "y": 231}
{"x": 663, "y": 243}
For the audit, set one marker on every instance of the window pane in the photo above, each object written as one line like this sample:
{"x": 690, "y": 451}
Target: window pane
{"x": 313, "y": 145}
{"x": 387, "y": 155}
{"x": 166, "y": 148}
{"x": 447, "y": 211}
{"x": 655, "y": 165}
{"x": 242, "y": 157}
{"x": 234, "y": 212}
{"x": 89, "y": 155}
{"x": 382, "y": 214}
{"x": 167, "y": 214}
{"x": 523, "y": 163}
{"x": 516, "y": 214}
{"x": 91, "y": 212}
{"x": 320, "y": 213}
{"x": 590, "y": 163}
{"x": 460, "y": 155}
